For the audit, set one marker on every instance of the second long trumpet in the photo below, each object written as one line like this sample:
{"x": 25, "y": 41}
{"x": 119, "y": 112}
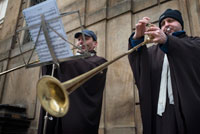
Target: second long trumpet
{"x": 53, "y": 94}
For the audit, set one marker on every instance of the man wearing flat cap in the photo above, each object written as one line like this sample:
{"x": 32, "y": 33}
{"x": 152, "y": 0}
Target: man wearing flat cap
{"x": 90, "y": 40}
{"x": 167, "y": 75}
{"x": 83, "y": 116}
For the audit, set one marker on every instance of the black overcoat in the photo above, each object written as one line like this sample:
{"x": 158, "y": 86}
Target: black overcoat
{"x": 184, "y": 61}
{"x": 84, "y": 112}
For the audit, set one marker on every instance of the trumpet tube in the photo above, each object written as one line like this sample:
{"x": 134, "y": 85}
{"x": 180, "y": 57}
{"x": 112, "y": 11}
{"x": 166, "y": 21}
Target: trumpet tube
{"x": 53, "y": 95}
{"x": 16, "y": 68}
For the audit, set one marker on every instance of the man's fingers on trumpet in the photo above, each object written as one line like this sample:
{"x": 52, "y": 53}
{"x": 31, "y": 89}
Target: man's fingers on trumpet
{"x": 157, "y": 36}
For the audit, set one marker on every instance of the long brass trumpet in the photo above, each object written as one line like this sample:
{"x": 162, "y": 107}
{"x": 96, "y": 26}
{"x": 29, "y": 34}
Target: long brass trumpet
{"x": 53, "y": 95}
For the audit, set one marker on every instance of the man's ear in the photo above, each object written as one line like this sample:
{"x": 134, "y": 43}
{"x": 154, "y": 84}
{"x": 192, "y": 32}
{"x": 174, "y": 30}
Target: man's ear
{"x": 96, "y": 43}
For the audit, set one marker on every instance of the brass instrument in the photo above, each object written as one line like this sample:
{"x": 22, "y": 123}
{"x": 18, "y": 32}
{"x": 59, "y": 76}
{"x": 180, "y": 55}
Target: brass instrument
{"x": 18, "y": 67}
{"x": 53, "y": 95}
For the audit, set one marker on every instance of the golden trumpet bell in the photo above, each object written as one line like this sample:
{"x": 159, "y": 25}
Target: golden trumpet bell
{"x": 52, "y": 95}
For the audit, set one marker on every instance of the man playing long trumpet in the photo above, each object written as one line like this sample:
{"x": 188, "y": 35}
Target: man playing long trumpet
{"x": 167, "y": 75}
{"x": 83, "y": 116}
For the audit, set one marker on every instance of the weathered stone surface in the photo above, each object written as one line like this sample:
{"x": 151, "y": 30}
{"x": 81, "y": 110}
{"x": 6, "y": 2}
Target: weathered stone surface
{"x": 119, "y": 87}
{"x": 116, "y": 8}
{"x": 95, "y": 11}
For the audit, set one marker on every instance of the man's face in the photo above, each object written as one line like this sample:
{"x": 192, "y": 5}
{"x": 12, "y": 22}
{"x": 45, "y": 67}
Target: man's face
{"x": 90, "y": 44}
{"x": 170, "y": 25}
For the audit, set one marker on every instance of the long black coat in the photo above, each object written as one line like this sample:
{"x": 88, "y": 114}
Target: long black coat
{"x": 184, "y": 61}
{"x": 84, "y": 112}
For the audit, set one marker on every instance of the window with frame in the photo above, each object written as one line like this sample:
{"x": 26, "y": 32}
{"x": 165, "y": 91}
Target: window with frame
{"x": 3, "y": 7}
